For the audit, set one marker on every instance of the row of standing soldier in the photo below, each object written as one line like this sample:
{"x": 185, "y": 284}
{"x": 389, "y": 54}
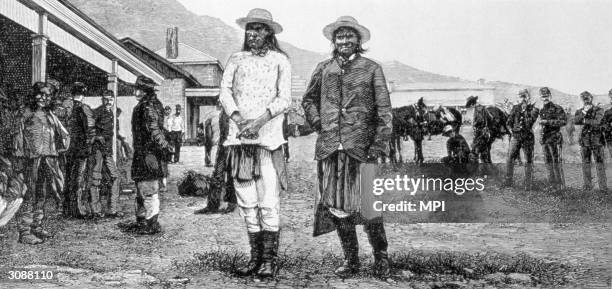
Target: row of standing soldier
{"x": 552, "y": 117}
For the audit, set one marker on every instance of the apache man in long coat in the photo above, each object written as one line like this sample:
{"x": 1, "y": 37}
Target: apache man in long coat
{"x": 348, "y": 104}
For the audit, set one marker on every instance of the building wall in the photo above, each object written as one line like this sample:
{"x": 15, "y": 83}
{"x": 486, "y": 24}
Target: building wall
{"x": 207, "y": 74}
{"x": 15, "y": 58}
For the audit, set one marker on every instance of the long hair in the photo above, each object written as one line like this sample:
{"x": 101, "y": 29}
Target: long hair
{"x": 358, "y": 50}
{"x": 270, "y": 41}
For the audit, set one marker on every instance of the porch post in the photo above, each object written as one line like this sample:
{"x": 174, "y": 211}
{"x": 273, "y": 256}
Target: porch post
{"x": 113, "y": 85}
{"x": 39, "y": 50}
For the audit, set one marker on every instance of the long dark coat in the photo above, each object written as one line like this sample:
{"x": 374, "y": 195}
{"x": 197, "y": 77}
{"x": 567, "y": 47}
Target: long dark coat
{"x": 347, "y": 105}
{"x": 151, "y": 149}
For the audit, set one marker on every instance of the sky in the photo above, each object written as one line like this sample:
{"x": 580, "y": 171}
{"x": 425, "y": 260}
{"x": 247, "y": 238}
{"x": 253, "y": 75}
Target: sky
{"x": 562, "y": 44}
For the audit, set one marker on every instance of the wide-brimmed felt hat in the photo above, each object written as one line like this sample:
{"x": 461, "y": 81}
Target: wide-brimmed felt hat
{"x": 145, "y": 83}
{"x": 346, "y": 21}
{"x": 259, "y": 15}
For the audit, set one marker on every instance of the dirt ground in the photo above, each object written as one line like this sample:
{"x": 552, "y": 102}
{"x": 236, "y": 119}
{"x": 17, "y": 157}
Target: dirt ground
{"x": 86, "y": 254}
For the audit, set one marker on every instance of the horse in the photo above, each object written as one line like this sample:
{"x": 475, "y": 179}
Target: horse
{"x": 489, "y": 124}
{"x": 415, "y": 121}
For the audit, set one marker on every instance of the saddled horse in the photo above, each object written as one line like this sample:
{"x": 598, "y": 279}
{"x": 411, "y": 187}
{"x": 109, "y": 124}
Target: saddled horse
{"x": 415, "y": 121}
{"x": 489, "y": 124}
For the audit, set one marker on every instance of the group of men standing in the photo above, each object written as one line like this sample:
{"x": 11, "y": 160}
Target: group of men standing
{"x": 63, "y": 150}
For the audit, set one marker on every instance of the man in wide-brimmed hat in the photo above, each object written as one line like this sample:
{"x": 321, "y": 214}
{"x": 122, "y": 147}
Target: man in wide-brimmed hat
{"x": 348, "y": 104}
{"x": 591, "y": 141}
{"x": 151, "y": 152}
{"x": 255, "y": 92}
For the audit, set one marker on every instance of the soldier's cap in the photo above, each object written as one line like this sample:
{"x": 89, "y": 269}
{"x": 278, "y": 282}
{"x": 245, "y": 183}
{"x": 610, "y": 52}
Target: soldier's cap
{"x": 471, "y": 101}
{"x": 145, "y": 83}
{"x": 447, "y": 129}
{"x": 78, "y": 88}
{"x": 545, "y": 91}
{"x": 524, "y": 92}
{"x": 585, "y": 94}
{"x": 108, "y": 94}
{"x": 178, "y": 106}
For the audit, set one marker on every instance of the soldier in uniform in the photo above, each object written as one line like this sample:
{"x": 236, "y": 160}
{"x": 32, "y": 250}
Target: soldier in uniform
{"x": 607, "y": 120}
{"x": 591, "y": 140}
{"x": 79, "y": 203}
{"x": 105, "y": 171}
{"x": 349, "y": 137}
{"x": 520, "y": 122}
{"x": 552, "y": 118}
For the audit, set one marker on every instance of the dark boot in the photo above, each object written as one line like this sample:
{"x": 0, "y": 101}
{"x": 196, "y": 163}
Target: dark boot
{"x": 40, "y": 233}
{"x": 29, "y": 239}
{"x": 151, "y": 227}
{"x": 269, "y": 256}
{"x": 528, "y": 176}
{"x": 602, "y": 180}
{"x": 130, "y": 227}
{"x": 378, "y": 241}
{"x": 350, "y": 247}
{"x": 509, "y": 174}
{"x": 586, "y": 176}
{"x": 255, "y": 240}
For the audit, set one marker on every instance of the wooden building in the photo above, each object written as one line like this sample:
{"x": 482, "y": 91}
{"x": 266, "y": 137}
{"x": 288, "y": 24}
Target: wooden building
{"x": 197, "y": 101}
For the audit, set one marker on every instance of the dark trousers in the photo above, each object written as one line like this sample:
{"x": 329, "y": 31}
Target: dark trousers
{"x": 554, "y": 163}
{"x": 516, "y": 145}
{"x": 286, "y": 151}
{"x": 345, "y": 228}
{"x": 79, "y": 202}
{"x": 105, "y": 179}
{"x": 177, "y": 139}
{"x": 43, "y": 175}
{"x": 207, "y": 152}
{"x": 597, "y": 152}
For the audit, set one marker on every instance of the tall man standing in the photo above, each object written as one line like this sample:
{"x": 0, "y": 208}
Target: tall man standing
{"x": 176, "y": 131}
{"x": 151, "y": 150}
{"x": 520, "y": 122}
{"x": 255, "y": 92}
{"x": 80, "y": 203}
{"x": 591, "y": 140}
{"x": 348, "y": 104}
{"x": 552, "y": 118}
{"x": 104, "y": 172}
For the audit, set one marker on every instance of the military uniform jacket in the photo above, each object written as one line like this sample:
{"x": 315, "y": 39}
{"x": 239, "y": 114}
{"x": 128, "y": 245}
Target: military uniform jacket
{"x": 551, "y": 130}
{"x": 592, "y": 129}
{"x": 349, "y": 106}
{"x": 607, "y": 122}
{"x": 104, "y": 128}
{"x": 82, "y": 130}
{"x": 520, "y": 121}
{"x": 150, "y": 145}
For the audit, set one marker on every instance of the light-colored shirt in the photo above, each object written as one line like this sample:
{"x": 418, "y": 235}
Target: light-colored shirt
{"x": 251, "y": 85}
{"x": 175, "y": 122}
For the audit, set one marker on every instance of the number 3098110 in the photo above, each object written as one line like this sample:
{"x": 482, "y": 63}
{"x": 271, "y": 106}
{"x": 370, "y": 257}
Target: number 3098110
{"x": 30, "y": 275}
